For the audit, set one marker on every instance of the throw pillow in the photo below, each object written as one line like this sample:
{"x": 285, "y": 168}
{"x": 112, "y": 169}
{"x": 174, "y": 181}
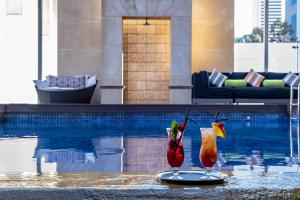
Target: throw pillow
{"x": 254, "y": 79}
{"x": 90, "y": 81}
{"x": 41, "y": 84}
{"x": 66, "y": 81}
{"x": 217, "y": 78}
{"x": 273, "y": 83}
{"x": 291, "y": 79}
{"x": 235, "y": 83}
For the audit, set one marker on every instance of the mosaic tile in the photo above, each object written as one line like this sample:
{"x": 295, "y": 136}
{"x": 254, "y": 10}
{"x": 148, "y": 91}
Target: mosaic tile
{"x": 141, "y": 29}
{"x": 132, "y": 48}
{"x": 151, "y": 39}
{"x": 151, "y": 57}
{"x": 160, "y": 76}
{"x": 151, "y": 76}
{"x": 141, "y": 38}
{"x": 143, "y": 49}
{"x": 151, "y": 29}
{"x": 161, "y": 48}
{"x": 137, "y": 85}
{"x": 19, "y": 121}
{"x": 160, "y": 57}
{"x": 151, "y": 48}
{"x": 151, "y": 85}
{"x": 132, "y": 38}
{"x": 151, "y": 67}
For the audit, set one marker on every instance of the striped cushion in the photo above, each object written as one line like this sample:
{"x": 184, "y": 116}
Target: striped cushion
{"x": 254, "y": 79}
{"x": 291, "y": 79}
{"x": 217, "y": 78}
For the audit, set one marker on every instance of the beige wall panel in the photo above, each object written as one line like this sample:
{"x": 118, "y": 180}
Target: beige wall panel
{"x": 79, "y": 38}
{"x": 213, "y": 35}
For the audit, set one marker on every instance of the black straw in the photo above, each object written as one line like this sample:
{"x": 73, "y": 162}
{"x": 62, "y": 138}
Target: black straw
{"x": 219, "y": 120}
{"x": 217, "y": 116}
{"x": 187, "y": 115}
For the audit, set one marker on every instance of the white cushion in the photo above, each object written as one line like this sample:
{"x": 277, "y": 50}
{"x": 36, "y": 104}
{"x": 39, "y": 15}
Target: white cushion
{"x": 291, "y": 79}
{"x": 57, "y": 89}
{"x": 90, "y": 81}
{"x": 217, "y": 78}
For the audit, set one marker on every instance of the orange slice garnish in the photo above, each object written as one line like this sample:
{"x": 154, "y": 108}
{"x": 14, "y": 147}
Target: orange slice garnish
{"x": 219, "y": 129}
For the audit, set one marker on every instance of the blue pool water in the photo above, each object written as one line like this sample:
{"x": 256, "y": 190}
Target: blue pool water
{"x": 136, "y": 143}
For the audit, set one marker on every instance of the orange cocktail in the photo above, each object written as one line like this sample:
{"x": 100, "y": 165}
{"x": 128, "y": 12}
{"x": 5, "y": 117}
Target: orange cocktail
{"x": 208, "y": 151}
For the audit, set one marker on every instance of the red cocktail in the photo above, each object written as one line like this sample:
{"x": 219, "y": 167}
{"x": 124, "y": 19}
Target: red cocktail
{"x": 175, "y": 153}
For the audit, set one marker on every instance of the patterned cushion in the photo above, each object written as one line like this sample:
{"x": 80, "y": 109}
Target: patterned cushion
{"x": 254, "y": 79}
{"x": 217, "y": 78}
{"x": 291, "y": 79}
{"x": 66, "y": 81}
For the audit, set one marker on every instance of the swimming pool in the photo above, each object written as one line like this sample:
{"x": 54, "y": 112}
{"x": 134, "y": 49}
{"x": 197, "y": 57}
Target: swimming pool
{"x": 68, "y": 143}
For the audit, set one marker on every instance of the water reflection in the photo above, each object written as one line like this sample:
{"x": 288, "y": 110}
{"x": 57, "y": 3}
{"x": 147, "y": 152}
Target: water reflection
{"x": 294, "y": 138}
{"x": 106, "y": 154}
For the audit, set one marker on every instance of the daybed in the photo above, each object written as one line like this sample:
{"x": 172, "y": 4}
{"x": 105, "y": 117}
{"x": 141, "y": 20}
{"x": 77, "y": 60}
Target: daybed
{"x": 204, "y": 92}
{"x": 52, "y": 95}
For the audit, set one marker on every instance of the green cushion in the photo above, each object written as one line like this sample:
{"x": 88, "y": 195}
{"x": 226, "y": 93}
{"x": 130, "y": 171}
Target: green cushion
{"x": 235, "y": 83}
{"x": 273, "y": 83}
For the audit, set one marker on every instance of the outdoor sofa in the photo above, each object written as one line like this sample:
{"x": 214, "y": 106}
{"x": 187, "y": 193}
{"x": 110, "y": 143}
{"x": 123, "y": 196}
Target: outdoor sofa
{"x": 61, "y": 95}
{"x": 204, "y": 92}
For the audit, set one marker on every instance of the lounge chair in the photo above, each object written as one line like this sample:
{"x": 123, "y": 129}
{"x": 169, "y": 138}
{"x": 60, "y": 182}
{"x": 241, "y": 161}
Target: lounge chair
{"x": 53, "y": 95}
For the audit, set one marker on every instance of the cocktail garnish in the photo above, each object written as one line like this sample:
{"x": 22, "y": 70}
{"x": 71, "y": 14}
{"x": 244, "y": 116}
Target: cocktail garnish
{"x": 180, "y": 128}
{"x": 218, "y": 126}
{"x": 174, "y": 128}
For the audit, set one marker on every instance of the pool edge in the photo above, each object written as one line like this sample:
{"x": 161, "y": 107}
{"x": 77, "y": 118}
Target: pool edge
{"x": 94, "y": 193}
{"x": 80, "y": 108}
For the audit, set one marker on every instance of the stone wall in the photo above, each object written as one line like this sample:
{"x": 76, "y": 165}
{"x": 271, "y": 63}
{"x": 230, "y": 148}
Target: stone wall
{"x": 90, "y": 40}
{"x": 213, "y": 35}
{"x": 146, "y": 64}
{"x": 180, "y": 73}
{"x": 79, "y": 38}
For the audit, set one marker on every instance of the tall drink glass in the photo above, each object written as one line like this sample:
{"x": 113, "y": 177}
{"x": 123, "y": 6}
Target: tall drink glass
{"x": 208, "y": 151}
{"x": 175, "y": 153}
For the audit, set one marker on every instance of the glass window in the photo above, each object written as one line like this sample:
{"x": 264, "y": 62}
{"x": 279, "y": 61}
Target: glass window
{"x": 249, "y": 33}
{"x": 282, "y": 36}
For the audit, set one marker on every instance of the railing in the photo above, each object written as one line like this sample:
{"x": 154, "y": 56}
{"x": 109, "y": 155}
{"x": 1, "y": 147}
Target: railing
{"x": 294, "y": 118}
{"x": 295, "y": 86}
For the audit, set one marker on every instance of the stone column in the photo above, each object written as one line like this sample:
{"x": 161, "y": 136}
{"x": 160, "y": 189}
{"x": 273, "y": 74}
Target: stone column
{"x": 180, "y": 87}
{"x": 79, "y": 39}
{"x": 112, "y": 61}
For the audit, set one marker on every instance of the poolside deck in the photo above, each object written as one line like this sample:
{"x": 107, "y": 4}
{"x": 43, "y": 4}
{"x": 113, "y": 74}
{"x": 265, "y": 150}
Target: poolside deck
{"x": 248, "y": 185}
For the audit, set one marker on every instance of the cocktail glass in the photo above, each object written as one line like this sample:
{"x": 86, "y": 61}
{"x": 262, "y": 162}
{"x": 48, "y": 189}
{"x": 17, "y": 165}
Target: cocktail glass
{"x": 208, "y": 152}
{"x": 175, "y": 153}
